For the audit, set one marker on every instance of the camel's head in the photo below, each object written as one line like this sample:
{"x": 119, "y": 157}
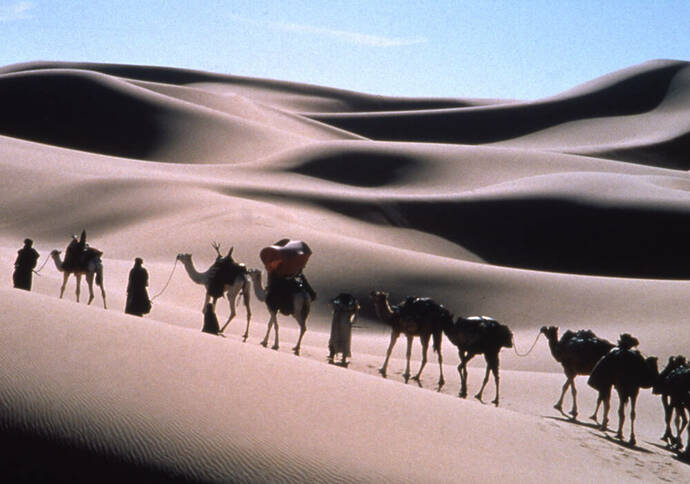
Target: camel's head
{"x": 378, "y": 296}
{"x": 549, "y": 331}
{"x": 54, "y": 252}
{"x": 183, "y": 257}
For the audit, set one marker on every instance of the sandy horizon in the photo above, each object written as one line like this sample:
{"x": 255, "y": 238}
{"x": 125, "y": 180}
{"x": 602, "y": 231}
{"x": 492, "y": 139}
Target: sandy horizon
{"x": 571, "y": 211}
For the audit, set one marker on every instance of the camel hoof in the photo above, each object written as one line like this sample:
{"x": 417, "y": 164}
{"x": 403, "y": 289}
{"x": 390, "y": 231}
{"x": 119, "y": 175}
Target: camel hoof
{"x": 440, "y": 385}
{"x": 383, "y": 372}
{"x": 244, "y": 338}
{"x": 462, "y": 394}
{"x": 573, "y": 413}
{"x": 406, "y": 376}
{"x": 264, "y": 344}
{"x": 478, "y": 397}
{"x": 295, "y": 350}
{"x": 632, "y": 441}
{"x": 275, "y": 347}
{"x": 593, "y": 417}
{"x": 558, "y": 407}
{"x": 495, "y": 402}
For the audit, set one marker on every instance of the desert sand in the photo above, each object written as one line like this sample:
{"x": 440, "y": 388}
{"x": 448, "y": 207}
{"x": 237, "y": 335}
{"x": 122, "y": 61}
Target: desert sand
{"x": 572, "y": 211}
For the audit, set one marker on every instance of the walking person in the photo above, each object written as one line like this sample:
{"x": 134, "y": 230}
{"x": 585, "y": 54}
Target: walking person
{"x": 27, "y": 257}
{"x": 138, "y": 302}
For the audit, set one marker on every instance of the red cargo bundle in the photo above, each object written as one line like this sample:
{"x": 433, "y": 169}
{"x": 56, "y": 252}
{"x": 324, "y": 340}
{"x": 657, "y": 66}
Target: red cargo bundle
{"x": 285, "y": 258}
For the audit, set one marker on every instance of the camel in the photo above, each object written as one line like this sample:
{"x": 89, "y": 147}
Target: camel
{"x": 627, "y": 371}
{"x": 665, "y": 387}
{"x": 414, "y": 317}
{"x": 677, "y": 385}
{"x": 474, "y": 336}
{"x": 577, "y": 353}
{"x": 286, "y": 296}
{"x": 92, "y": 267}
{"x": 225, "y": 276}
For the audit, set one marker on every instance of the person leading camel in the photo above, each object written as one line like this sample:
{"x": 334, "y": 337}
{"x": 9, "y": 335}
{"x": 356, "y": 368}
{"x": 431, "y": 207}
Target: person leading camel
{"x": 577, "y": 353}
{"x": 413, "y": 317}
{"x": 24, "y": 264}
{"x": 138, "y": 302}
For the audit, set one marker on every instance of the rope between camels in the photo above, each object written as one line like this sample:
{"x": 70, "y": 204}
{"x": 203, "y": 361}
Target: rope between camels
{"x": 531, "y": 348}
{"x": 167, "y": 283}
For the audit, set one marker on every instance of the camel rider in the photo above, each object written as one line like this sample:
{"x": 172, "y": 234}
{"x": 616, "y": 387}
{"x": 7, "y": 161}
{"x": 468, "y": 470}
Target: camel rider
{"x": 24, "y": 265}
{"x": 138, "y": 302}
{"x": 74, "y": 251}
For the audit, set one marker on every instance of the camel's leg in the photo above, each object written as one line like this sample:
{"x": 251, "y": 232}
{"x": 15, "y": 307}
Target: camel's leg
{"x": 271, "y": 322}
{"x": 621, "y": 415}
{"x": 559, "y": 404}
{"x": 573, "y": 411}
{"x": 425, "y": 347}
{"x": 491, "y": 367}
{"x": 105, "y": 306}
{"x": 497, "y": 379}
{"x": 596, "y": 409}
{"x": 680, "y": 415}
{"x": 462, "y": 370}
{"x": 633, "y": 413}
{"x": 65, "y": 277}
{"x": 394, "y": 338}
{"x": 246, "y": 295}
{"x": 275, "y": 329}
{"x": 605, "y": 397}
{"x": 232, "y": 296}
{"x": 89, "y": 284}
{"x": 668, "y": 414}
{"x": 302, "y": 329}
{"x": 78, "y": 276}
{"x": 441, "y": 379}
{"x": 408, "y": 354}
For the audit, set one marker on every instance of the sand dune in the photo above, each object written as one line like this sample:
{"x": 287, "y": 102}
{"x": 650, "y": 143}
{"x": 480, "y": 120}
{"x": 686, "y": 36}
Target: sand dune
{"x": 571, "y": 210}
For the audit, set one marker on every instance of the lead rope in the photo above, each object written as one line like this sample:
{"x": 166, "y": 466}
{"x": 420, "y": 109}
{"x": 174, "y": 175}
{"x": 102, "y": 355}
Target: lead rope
{"x": 531, "y": 348}
{"x": 42, "y": 265}
{"x": 167, "y": 283}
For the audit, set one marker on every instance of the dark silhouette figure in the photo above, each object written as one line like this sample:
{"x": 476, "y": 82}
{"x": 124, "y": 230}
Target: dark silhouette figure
{"x": 627, "y": 371}
{"x": 211, "y": 325}
{"x": 345, "y": 309}
{"x": 413, "y": 317}
{"x": 577, "y": 353}
{"x": 138, "y": 302}
{"x": 478, "y": 335}
{"x": 665, "y": 387}
{"x": 74, "y": 252}
{"x": 24, "y": 264}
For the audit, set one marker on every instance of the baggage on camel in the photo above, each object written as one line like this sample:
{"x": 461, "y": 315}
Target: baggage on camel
{"x": 285, "y": 258}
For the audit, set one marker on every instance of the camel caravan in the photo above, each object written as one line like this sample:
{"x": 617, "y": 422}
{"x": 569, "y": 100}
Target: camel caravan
{"x": 287, "y": 291}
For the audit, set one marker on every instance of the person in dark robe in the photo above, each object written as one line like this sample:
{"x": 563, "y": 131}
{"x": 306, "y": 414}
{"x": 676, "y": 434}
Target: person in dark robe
{"x": 27, "y": 257}
{"x": 138, "y": 302}
{"x": 74, "y": 251}
{"x": 211, "y": 325}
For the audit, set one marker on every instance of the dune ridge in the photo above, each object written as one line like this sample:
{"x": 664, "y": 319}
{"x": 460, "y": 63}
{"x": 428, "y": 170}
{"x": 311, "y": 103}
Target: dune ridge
{"x": 571, "y": 210}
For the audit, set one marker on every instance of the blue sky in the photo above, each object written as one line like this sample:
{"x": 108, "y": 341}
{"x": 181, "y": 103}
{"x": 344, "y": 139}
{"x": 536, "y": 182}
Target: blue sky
{"x": 510, "y": 49}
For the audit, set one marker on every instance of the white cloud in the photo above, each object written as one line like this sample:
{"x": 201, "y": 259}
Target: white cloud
{"x": 342, "y": 35}
{"x": 15, "y": 11}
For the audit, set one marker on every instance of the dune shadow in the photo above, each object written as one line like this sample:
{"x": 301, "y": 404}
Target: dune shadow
{"x": 365, "y": 169}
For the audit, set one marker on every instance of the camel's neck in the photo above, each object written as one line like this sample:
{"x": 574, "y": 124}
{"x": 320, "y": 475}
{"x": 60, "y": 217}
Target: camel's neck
{"x": 383, "y": 310}
{"x": 259, "y": 289}
{"x": 58, "y": 263}
{"x": 553, "y": 345}
{"x": 194, "y": 275}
